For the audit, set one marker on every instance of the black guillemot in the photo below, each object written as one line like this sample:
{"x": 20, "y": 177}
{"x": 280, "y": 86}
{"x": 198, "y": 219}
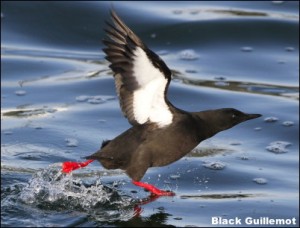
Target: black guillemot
{"x": 161, "y": 133}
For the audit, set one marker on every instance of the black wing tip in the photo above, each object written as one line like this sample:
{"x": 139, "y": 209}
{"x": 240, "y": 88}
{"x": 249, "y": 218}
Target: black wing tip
{"x": 114, "y": 15}
{"x": 130, "y": 41}
{"x": 113, "y": 12}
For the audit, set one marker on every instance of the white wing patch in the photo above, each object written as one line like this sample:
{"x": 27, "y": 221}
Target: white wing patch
{"x": 149, "y": 100}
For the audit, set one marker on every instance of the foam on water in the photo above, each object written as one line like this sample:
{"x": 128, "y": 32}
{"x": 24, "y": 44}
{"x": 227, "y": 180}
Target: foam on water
{"x": 260, "y": 180}
{"x": 20, "y": 92}
{"x": 217, "y": 165}
{"x": 271, "y": 119}
{"x": 188, "y": 54}
{"x": 246, "y": 49}
{"x": 278, "y": 147}
{"x": 71, "y": 142}
{"x": 98, "y": 99}
{"x": 287, "y": 123}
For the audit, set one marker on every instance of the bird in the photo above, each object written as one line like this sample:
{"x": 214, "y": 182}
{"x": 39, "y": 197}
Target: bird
{"x": 160, "y": 133}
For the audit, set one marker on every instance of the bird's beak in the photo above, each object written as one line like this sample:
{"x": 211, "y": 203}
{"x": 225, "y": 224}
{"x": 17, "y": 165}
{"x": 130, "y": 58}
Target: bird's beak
{"x": 252, "y": 116}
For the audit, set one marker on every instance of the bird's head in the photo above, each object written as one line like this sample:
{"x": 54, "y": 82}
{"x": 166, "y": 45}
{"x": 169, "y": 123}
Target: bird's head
{"x": 225, "y": 118}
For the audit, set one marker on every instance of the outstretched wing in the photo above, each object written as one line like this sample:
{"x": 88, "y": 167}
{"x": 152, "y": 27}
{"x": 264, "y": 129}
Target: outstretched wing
{"x": 141, "y": 77}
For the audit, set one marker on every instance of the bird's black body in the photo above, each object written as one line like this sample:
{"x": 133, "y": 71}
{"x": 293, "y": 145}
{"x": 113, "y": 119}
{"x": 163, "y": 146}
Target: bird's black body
{"x": 144, "y": 146}
{"x": 163, "y": 133}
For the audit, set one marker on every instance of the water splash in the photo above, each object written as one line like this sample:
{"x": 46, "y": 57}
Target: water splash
{"x": 51, "y": 189}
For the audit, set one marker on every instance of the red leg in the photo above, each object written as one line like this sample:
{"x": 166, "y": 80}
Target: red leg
{"x": 69, "y": 166}
{"x": 153, "y": 189}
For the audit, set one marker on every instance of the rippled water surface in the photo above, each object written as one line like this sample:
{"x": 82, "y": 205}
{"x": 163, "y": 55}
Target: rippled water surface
{"x": 58, "y": 103}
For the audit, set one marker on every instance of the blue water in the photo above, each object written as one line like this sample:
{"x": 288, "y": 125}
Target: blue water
{"x": 58, "y": 103}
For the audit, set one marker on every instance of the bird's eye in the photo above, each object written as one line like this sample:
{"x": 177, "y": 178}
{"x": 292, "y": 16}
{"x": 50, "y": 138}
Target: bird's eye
{"x": 233, "y": 116}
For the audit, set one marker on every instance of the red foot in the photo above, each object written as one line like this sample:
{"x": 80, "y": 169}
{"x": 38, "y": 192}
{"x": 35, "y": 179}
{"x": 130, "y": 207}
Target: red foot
{"x": 69, "y": 166}
{"x": 153, "y": 189}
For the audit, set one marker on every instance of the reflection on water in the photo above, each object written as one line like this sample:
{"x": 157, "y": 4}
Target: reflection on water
{"x": 220, "y": 196}
{"x": 248, "y": 87}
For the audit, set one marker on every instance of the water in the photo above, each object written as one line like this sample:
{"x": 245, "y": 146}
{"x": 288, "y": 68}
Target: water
{"x": 58, "y": 103}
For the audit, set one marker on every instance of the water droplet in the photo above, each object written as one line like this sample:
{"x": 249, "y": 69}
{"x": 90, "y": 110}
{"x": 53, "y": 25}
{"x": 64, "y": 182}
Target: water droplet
{"x": 260, "y": 180}
{"x": 20, "y": 92}
{"x": 71, "y": 142}
{"x": 288, "y": 123}
{"x": 246, "y": 49}
{"x": 188, "y": 54}
{"x": 278, "y": 147}
{"x": 214, "y": 165}
{"x": 271, "y": 119}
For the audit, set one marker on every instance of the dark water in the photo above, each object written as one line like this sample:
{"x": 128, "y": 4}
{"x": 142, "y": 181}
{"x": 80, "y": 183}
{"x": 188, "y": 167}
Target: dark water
{"x": 58, "y": 103}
